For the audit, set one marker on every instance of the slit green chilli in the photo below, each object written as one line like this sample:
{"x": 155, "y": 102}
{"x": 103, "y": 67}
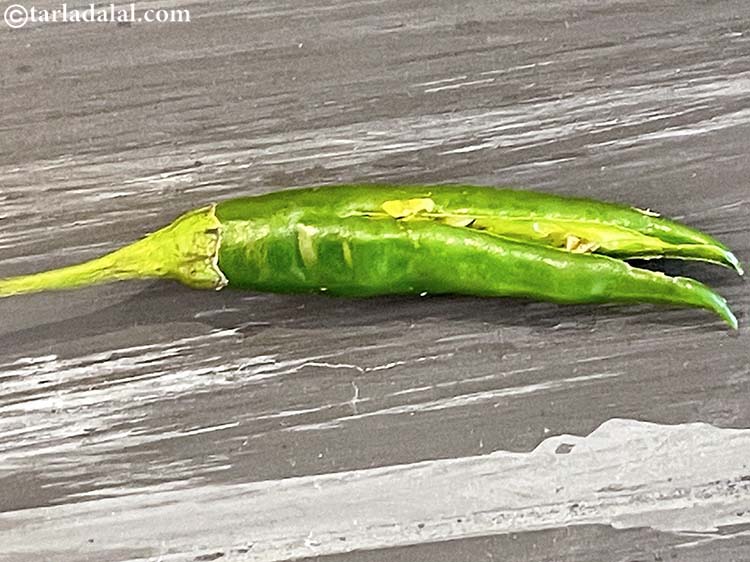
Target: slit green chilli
{"x": 367, "y": 240}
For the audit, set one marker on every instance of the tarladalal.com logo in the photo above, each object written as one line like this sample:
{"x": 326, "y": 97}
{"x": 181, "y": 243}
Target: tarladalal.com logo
{"x": 19, "y": 15}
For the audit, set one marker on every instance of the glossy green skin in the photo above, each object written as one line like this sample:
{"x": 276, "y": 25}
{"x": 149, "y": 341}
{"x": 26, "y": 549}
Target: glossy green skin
{"x": 313, "y": 240}
{"x": 345, "y": 200}
{"x": 375, "y": 240}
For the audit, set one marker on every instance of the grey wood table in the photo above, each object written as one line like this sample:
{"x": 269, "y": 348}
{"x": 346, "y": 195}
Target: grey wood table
{"x": 146, "y": 421}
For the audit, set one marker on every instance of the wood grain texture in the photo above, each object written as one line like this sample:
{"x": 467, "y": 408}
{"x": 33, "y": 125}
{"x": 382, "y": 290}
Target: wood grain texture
{"x": 123, "y": 403}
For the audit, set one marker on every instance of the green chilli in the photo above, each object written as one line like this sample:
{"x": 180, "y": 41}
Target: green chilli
{"x": 367, "y": 240}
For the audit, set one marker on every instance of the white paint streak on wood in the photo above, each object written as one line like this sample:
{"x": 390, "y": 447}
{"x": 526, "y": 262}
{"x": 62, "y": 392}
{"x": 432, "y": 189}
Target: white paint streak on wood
{"x": 683, "y": 478}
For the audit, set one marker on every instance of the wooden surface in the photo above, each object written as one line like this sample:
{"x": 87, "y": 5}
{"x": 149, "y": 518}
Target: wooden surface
{"x": 146, "y": 421}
